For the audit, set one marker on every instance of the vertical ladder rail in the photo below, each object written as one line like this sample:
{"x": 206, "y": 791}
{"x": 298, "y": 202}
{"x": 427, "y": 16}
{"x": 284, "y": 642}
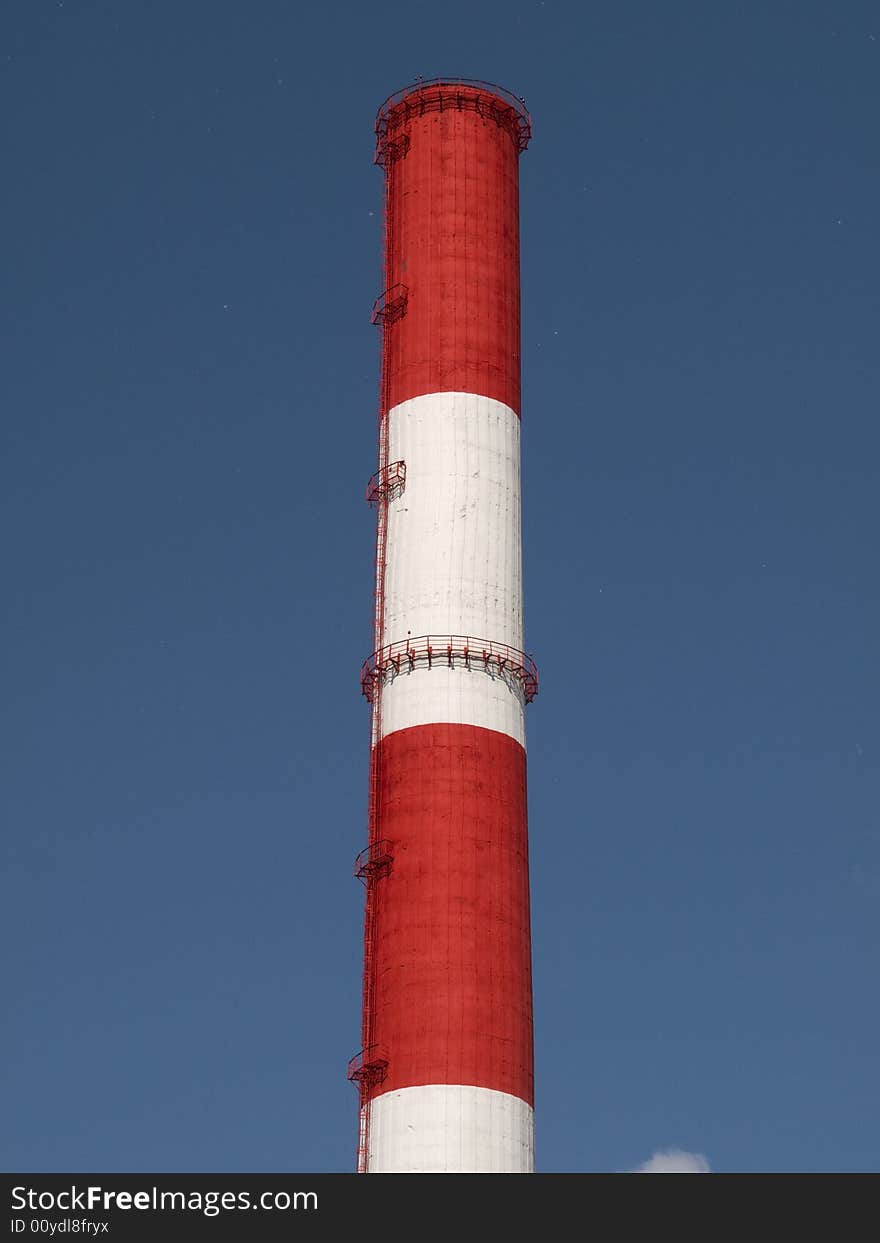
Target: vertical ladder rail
{"x": 366, "y": 1083}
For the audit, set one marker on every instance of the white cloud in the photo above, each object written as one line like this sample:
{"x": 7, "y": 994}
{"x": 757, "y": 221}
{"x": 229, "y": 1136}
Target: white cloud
{"x": 674, "y": 1161}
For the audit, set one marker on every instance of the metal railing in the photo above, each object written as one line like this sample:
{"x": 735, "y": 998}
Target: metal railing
{"x": 390, "y": 306}
{"x": 451, "y": 651}
{"x": 436, "y": 94}
{"x": 387, "y": 483}
{"x": 374, "y": 860}
{"x": 368, "y": 1067}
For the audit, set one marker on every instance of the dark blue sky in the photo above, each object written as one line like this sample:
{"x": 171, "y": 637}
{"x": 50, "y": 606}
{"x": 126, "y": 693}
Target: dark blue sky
{"x": 192, "y": 223}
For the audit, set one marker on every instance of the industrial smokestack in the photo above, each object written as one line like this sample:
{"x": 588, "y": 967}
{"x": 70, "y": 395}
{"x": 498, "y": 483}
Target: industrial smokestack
{"x": 446, "y": 1070}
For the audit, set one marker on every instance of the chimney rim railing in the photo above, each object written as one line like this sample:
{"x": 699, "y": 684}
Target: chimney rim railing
{"x": 521, "y": 121}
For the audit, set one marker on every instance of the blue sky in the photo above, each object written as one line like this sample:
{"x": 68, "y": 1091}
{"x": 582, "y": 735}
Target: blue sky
{"x": 192, "y": 227}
